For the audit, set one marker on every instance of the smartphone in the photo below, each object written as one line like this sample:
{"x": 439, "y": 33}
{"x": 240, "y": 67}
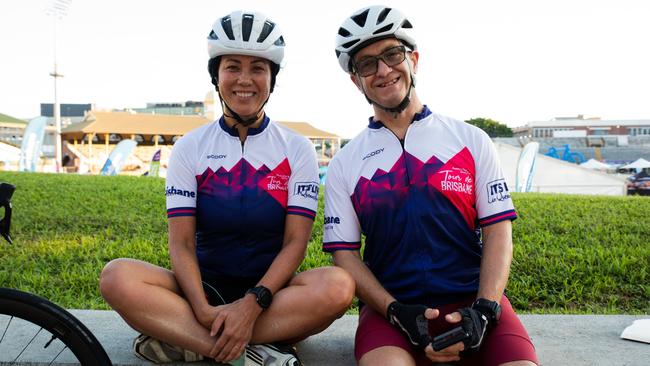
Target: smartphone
{"x": 448, "y": 338}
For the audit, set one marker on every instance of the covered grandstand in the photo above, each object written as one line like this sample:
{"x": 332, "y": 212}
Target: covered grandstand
{"x": 88, "y": 143}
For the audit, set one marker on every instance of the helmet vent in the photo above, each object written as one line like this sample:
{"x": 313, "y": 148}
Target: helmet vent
{"x": 266, "y": 30}
{"x": 213, "y": 35}
{"x": 360, "y": 19}
{"x": 350, "y": 44}
{"x": 246, "y": 26}
{"x": 383, "y": 29}
{"x": 406, "y": 24}
{"x": 383, "y": 15}
{"x": 338, "y": 53}
{"x": 227, "y": 27}
{"x": 344, "y": 32}
{"x": 279, "y": 41}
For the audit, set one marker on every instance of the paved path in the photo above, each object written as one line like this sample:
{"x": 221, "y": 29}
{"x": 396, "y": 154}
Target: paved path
{"x": 559, "y": 340}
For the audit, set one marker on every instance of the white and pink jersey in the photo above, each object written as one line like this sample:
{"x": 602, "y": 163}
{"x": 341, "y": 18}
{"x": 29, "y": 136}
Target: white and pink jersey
{"x": 420, "y": 202}
{"x": 241, "y": 193}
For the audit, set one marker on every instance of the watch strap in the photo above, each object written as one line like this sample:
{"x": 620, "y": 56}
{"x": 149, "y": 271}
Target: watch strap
{"x": 491, "y": 309}
{"x": 263, "y": 296}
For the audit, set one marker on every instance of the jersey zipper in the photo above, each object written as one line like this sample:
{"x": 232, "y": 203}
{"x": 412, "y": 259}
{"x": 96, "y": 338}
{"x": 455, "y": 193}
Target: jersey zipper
{"x": 242, "y": 180}
{"x": 402, "y": 142}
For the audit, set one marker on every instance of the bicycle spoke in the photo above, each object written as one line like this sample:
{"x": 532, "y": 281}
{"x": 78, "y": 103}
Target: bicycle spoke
{"x": 7, "y": 327}
{"x": 27, "y": 345}
{"x": 57, "y": 355}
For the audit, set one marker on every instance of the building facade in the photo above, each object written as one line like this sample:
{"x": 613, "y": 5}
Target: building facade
{"x": 583, "y": 127}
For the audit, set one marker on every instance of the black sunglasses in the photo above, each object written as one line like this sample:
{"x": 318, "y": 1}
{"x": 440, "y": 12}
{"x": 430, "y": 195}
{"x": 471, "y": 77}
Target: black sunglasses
{"x": 391, "y": 57}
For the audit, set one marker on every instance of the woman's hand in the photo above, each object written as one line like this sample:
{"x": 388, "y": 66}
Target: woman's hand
{"x": 233, "y": 326}
{"x": 206, "y": 315}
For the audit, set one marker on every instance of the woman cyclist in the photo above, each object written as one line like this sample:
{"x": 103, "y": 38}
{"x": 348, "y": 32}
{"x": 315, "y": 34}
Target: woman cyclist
{"x": 241, "y": 198}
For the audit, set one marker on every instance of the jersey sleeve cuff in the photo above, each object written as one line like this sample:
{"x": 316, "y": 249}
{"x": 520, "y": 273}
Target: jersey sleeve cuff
{"x": 181, "y": 211}
{"x": 341, "y": 245}
{"x": 501, "y": 216}
{"x": 297, "y": 210}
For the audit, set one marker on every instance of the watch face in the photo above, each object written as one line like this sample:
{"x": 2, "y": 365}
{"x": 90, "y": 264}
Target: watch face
{"x": 263, "y": 295}
{"x": 265, "y": 298}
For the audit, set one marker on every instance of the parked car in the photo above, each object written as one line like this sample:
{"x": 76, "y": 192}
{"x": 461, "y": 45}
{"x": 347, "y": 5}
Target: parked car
{"x": 639, "y": 184}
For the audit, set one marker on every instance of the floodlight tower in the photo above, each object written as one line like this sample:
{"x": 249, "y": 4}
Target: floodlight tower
{"x": 57, "y": 10}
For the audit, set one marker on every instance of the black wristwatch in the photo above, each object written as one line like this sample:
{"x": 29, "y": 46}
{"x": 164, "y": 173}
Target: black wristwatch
{"x": 263, "y": 296}
{"x": 489, "y": 308}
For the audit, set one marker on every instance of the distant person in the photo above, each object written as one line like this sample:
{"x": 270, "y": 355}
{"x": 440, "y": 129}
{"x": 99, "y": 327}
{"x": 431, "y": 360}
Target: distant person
{"x": 429, "y": 195}
{"x": 66, "y": 160}
{"x": 242, "y": 193}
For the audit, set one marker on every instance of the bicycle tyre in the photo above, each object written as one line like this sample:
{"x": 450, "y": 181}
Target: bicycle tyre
{"x": 56, "y": 320}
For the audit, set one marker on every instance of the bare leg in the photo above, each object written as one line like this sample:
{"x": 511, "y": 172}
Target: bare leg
{"x": 387, "y": 356}
{"x": 308, "y": 305}
{"x": 149, "y": 299}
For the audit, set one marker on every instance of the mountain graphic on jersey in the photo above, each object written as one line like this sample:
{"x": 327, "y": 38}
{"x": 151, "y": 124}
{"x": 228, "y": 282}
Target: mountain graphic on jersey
{"x": 243, "y": 181}
{"x": 453, "y": 181}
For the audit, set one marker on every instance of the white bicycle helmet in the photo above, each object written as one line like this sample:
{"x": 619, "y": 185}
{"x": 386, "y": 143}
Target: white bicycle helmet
{"x": 248, "y": 33}
{"x": 367, "y": 25}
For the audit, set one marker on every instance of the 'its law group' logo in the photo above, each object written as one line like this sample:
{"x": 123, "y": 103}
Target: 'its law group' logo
{"x": 307, "y": 190}
{"x": 497, "y": 190}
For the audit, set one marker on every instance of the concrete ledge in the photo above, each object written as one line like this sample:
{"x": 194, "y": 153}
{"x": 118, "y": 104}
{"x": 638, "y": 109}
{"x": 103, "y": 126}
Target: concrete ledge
{"x": 559, "y": 340}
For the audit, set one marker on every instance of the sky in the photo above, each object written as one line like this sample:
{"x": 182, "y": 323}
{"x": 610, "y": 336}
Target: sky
{"x": 512, "y": 61}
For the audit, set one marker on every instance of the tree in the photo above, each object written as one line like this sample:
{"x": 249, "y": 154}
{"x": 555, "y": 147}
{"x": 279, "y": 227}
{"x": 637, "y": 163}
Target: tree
{"x": 491, "y": 127}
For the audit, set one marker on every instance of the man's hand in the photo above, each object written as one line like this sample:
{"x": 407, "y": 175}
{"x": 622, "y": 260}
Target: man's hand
{"x": 412, "y": 320}
{"x": 233, "y": 327}
{"x": 475, "y": 323}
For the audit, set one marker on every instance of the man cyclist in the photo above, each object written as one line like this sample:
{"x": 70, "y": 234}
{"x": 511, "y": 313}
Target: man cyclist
{"x": 242, "y": 193}
{"x": 429, "y": 195}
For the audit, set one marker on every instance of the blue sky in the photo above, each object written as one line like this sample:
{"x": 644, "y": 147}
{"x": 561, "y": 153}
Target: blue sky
{"x": 513, "y": 61}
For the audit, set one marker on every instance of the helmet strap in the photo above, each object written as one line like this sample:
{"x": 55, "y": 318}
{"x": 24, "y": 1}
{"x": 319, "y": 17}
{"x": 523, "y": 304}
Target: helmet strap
{"x": 229, "y": 112}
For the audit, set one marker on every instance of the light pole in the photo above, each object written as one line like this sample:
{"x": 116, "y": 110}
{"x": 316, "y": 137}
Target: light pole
{"x": 58, "y": 10}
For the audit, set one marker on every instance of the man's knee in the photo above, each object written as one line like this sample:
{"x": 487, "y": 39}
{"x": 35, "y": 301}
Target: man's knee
{"x": 519, "y": 363}
{"x": 387, "y": 356}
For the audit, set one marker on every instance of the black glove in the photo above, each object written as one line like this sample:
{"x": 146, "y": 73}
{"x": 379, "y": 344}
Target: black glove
{"x": 411, "y": 320}
{"x": 475, "y": 323}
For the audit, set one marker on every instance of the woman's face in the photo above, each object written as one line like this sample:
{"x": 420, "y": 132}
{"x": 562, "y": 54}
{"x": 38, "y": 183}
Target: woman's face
{"x": 244, "y": 83}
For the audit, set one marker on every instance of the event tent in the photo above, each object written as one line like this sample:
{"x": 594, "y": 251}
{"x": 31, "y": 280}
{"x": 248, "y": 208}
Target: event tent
{"x": 557, "y": 176}
{"x": 637, "y": 165}
{"x": 596, "y": 165}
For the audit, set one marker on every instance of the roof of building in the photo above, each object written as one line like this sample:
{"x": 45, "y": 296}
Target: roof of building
{"x": 308, "y": 130}
{"x": 126, "y": 123}
{"x": 9, "y": 119}
{"x": 587, "y": 123}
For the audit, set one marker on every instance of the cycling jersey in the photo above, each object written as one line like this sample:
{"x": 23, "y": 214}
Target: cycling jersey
{"x": 419, "y": 202}
{"x": 241, "y": 193}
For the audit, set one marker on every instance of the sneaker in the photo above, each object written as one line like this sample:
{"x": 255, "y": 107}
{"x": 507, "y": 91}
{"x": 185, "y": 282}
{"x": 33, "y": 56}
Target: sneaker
{"x": 153, "y": 350}
{"x": 271, "y": 355}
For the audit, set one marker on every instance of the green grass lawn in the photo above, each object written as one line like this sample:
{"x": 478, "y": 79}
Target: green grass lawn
{"x": 573, "y": 254}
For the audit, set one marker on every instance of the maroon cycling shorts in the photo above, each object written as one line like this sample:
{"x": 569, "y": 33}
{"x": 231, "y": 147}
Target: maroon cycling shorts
{"x": 507, "y": 342}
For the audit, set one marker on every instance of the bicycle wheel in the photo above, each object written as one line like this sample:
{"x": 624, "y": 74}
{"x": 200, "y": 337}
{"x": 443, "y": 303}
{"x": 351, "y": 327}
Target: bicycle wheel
{"x": 34, "y": 330}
